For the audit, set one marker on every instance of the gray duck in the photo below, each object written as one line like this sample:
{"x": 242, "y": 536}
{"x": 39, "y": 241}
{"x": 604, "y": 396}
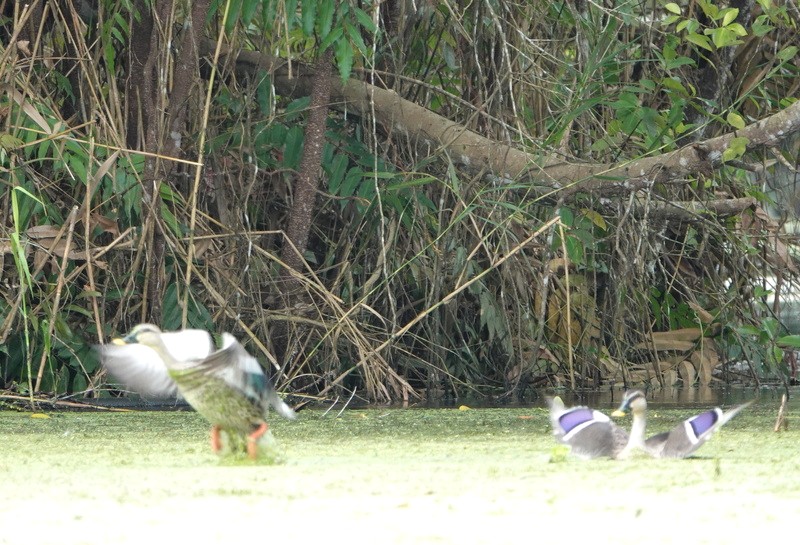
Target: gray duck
{"x": 588, "y": 432}
{"x": 679, "y": 442}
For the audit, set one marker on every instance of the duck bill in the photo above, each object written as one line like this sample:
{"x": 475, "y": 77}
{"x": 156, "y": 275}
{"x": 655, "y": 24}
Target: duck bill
{"x": 618, "y": 413}
{"x": 118, "y": 341}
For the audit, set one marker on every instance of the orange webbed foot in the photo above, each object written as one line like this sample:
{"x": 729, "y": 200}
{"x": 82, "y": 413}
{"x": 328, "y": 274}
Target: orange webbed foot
{"x": 216, "y": 441}
{"x": 252, "y": 440}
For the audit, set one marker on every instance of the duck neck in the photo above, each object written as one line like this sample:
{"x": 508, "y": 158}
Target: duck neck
{"x": 163, "y": 352}
{"x": 638, "y": 427}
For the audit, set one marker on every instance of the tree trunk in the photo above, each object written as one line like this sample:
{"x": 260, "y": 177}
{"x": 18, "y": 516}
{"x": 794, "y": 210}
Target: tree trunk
{"x": 305, "y": 192}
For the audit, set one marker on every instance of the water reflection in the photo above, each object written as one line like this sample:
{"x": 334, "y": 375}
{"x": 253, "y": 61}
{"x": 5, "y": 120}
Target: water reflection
{"x": 609, "y": 398}
{"x": 670, "y": 397}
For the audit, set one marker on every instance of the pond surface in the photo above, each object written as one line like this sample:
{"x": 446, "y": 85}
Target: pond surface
{"x": 385, "y": 476}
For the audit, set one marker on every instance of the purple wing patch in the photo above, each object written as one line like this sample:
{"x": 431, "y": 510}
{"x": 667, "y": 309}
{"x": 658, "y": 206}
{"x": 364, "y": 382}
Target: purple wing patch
{"x": 574, "y": 418}
{"x": 703, "y": 422}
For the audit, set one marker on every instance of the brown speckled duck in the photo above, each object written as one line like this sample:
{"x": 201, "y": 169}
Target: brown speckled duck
{"x": 226, "y": 386}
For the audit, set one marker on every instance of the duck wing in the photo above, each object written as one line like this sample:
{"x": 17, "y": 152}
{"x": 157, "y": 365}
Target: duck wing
{"x": 690, "y": 434}
{"x": 590, "y": 433}
{"x": 139, "y": 368}
{"x": 243, "y": 375}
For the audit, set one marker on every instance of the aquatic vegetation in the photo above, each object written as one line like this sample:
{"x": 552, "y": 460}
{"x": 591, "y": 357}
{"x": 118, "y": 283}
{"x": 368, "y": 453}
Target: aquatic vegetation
{"x": 482, "y": 475}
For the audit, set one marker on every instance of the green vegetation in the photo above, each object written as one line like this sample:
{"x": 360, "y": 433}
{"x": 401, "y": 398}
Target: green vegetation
{"x": 431, "y": 476}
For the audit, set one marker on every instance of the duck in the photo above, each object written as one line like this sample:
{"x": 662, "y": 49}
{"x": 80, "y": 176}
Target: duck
{"x": 227, "y": 386}
{"x": 140, "y": 368}
{"x": 589, "y": 432}
{"x": 680, "y": 442}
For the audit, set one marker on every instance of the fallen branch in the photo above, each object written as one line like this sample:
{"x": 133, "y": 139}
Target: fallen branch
{"x": 547, "y": 173}
{"x": 694, "y": 211}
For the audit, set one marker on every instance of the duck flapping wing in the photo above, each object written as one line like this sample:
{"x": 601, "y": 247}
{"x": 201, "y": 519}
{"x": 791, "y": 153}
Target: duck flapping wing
{"x": 589, "y": 433}
{"x": 141, "y": 369}
{"x": 690, "y": 434}
{"x": 242, "y": 373}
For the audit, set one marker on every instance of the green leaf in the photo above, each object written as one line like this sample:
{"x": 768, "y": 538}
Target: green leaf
{"x": 170, "y": 219}
{"x": 729, "y": 16}
{"x": 737, "y": 29}
{"x": 761, "y": 26}
{"x": 77, "y": 165}
{"x": 325, "y": 18}
{"x": 673, "y": 8}
{"x": 748, "y": 329}
{"x": 110, "y": 55}
{"x": 700, "y": 40}
{"x": 668, "y": 20}
{"x": 735, "y": 120}
{"x": 566, "y": 216}
{"x": 408, "y": 182}
{"x": 574, "y": 248}
{"x": 291, "y": 13}
{"x": 264, "y": 93}
{"x": 344, "y": 59}
{"x": 336, "y": 172}
{"x": 365, "y": 21}
{"x": 787, "y": 53}
{"x": 309, "y": 17}
{"x": 295, "y": 109}
{"x": 294, "y": 147}
{"x": 351, "y": 182}
{"x": 167, "y": 194}
{"x": 268, "y": 13}
{"x": 332, "y": 37}
{"x": 678, "y": 62}
{"x": 9, "y": 142}
{"x": 233, "y": 15}
{"x": 789, "y": 341}
{"x": 355, "y": 36}
{"x": 736, "y": 149}
{"x": 709, "y": 9}
{"x": 723, "y": 37}
{"x": 249, "y": 8}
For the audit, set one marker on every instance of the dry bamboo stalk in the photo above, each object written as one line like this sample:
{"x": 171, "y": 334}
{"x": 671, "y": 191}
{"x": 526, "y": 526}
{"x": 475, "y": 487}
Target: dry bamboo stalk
{"x": 781, "y": 420}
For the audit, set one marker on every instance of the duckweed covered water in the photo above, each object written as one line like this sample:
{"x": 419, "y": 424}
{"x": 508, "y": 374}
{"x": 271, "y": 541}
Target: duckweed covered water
{"x": 386, "y": 476}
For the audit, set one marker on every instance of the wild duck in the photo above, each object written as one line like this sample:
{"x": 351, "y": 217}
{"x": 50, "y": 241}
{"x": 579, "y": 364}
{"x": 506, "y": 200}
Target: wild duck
{"x": 682, "y": 440}
{"x": 140, "y": 368}
{"x": 589, "y": 433}
{"x": 227, "y": 386}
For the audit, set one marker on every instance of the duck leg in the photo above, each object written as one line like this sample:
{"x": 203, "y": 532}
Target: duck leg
{"x": 216, "y": 442}
{"x": 252, "y": 440}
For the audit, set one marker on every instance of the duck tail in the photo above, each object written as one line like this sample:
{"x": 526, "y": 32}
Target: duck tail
{"x": 733, "y": 412}
{"x": 280, "y": 406}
